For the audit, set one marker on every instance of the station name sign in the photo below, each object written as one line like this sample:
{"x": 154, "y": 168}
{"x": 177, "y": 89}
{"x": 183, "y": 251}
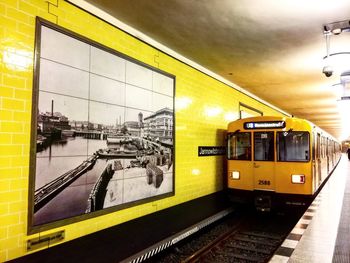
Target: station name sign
{"x": 211, "y": 150}
{"x": 264, "y": 125}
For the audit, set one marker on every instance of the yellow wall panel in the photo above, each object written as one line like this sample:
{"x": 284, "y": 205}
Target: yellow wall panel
{"x": 203, "y": 107}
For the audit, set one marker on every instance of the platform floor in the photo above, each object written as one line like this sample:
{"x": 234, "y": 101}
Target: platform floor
{"x": 140, "y": 238}
{"x": 323, "y": 233}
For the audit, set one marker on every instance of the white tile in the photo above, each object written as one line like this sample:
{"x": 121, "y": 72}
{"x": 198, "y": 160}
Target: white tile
{"x": 107, "y": 90}
{"x": 138, "y": 98}
{"x": 309, "y": 213}
{"x": 161, "y": 101}
{"x": 304, "y": 221}
{"x": 279, "y": 259}
{"x": 58, "y": 78}
{"x": 64, "y": 49}
{"x": 106, "y": 114}
{"x": 138, "y": 75}
{"x": 107, "y": 64}
{"x": 298, "y": 231}
{"x": 163, "y": 84}
{"x": 289, "y": 243}
{"x": 72, "y": 108}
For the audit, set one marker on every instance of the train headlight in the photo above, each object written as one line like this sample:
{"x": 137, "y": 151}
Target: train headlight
{"x": 235, "y": 175}
{"x": 298, "y": 179}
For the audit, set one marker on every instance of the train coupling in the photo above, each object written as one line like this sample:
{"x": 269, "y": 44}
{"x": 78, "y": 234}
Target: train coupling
{"x": 263, "y": 203}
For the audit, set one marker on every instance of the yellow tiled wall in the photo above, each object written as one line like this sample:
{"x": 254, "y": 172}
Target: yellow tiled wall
{"x": 203, "y": 106}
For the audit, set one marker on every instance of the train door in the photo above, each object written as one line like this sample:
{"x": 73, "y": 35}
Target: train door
{"x": 318, "y": 160}
{"x": 264, "y": 161}
{"x": 328, "y": 155}
{"x": 314, "y": 167}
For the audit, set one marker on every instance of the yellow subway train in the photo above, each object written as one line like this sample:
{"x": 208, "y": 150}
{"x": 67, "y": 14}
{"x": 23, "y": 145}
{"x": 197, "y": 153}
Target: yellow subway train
{"x": 278, "y": 161}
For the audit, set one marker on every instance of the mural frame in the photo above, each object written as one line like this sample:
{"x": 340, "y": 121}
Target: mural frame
{"x": 153, "y": 143}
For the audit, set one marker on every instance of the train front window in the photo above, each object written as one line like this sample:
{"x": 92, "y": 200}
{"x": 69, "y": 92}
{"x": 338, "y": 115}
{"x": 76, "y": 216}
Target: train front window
{"x": 293, "y": 146}
{"x": 239, "y": 146}
{"x": 263, "y": 146}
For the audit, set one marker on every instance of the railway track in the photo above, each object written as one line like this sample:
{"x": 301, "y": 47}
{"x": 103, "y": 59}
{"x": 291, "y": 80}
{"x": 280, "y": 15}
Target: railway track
{"x": 243, "y": 237}
{"x": 239, "y": 246}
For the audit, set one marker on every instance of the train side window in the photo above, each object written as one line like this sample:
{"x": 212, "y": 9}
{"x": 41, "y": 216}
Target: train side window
{"x": 293, "y": 146}
{"x": 263, "y": 146}
{"x": 239, "y": 146}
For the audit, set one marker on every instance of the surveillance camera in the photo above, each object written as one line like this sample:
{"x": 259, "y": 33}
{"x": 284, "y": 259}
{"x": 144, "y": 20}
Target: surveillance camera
{"x": 327, "y": 70}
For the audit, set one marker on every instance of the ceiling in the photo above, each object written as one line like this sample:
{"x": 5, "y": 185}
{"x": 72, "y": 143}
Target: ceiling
{"x": 273, "y": 49}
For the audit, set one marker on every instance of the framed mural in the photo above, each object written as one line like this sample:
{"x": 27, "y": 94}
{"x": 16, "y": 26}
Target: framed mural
{"x": 102, "y": 133}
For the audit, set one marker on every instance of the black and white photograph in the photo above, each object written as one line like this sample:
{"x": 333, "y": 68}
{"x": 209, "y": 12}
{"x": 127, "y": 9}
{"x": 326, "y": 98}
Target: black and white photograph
{"x": 104, "y": 130}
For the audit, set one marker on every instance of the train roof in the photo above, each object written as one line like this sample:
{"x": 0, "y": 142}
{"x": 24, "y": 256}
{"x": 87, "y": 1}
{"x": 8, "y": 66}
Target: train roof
{"x": 288, "y": 121}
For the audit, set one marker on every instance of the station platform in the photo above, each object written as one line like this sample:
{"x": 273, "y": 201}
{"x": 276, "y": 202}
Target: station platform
{"x": 138, "y": 239}
{"x": 323, "y": 232}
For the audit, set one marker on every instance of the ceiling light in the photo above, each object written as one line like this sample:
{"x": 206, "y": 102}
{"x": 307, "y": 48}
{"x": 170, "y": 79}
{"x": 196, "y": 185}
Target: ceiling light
{"x": 336, "y": 28}
{"x": 336, "y": 63}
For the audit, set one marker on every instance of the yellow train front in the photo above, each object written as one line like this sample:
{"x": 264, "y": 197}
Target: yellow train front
{"x": 275, "y": 161}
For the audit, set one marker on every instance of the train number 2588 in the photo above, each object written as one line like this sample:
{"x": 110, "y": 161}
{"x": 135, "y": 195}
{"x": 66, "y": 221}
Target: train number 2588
{"x": 264, "y": 182}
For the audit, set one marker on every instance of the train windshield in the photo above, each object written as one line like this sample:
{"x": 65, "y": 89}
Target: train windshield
{"x": 239, "y": 146}
{"x": 263, "y": 146}
{"x": 293, "y": 146}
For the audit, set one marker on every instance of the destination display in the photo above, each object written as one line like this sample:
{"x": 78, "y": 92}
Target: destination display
{"x": 264, "y": 125}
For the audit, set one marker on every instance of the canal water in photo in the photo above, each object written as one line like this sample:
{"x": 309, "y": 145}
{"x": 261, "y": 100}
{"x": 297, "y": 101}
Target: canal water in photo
{"x": 56, "y": 160}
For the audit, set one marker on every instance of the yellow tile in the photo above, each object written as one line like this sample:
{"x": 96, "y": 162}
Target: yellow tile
{"x": 13, "y": 81}
{"x": 23, "y": 94}
{"x": 20, "y": 161}
{"x": 13, "y": 127}
{"x": 17, "y": 14}
{"x": 10, "y": 242}
{"x": 3, "y": 232}
{"x": 13, "y": 104}
{"x": 4, "y": 185}
{"x": 11, "y": 3}
{"x": 3, "y": 255}
{"x": 15, "y": 207}
{"x": 20, "y": 138}
{"x": 5, "y": 115}
{"x": 27, "y": 7}
{"x": 26, "y": 29}
{"x": 14, "y": 252}
{"x": 5, "y": 138}
{"x": 9, "y": 219}
{"x": 15, "y": 230}
{"x": 8, "y": 150}
{"x": 4, "y": 208}
{"x": 5, "y": 162}
{"x": 2, "y": 9}
{"x": 21, "y": 116}
{"x": 18, "y": 184}
{"x": 6, "y": 92}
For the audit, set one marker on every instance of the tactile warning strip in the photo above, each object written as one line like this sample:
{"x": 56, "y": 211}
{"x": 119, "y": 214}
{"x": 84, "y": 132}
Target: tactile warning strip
{"x": 284, "y": 252}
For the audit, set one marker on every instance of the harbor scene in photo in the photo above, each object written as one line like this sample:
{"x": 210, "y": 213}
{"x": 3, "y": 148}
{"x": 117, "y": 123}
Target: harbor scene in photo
{"x": 83, "y": 167}
{"x": 104, "y": 130}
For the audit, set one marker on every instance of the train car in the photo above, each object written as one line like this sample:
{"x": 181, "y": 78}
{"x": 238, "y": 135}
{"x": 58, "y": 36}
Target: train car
{"x": 278, "y": 161}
